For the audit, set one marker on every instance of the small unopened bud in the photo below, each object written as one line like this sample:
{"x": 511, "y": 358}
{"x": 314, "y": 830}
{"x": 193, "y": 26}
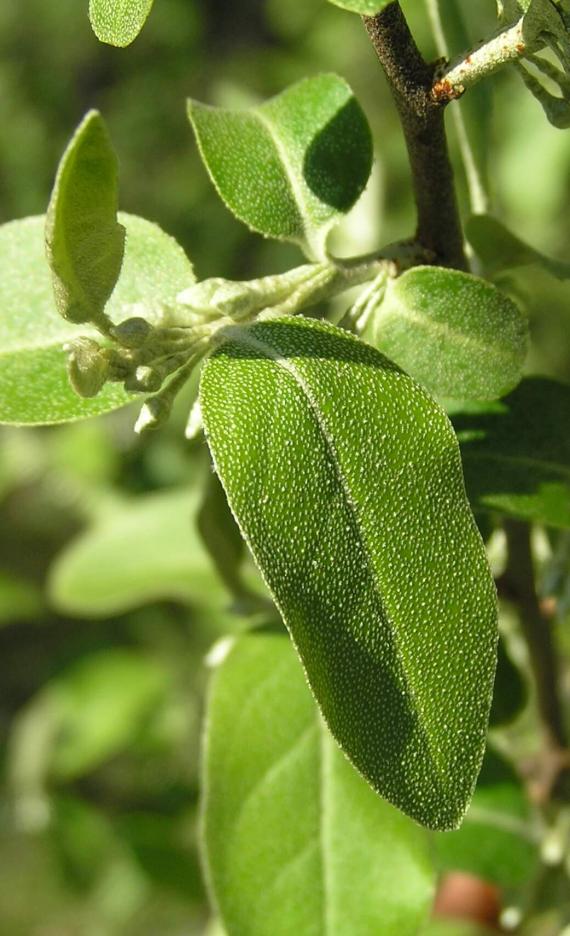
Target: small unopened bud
{"x": 87, "y": 367}
{"x": 132, "y": 332}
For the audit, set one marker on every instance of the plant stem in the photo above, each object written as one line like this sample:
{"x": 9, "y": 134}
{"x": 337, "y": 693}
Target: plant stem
{"x": 518, "y": 586}
{"x": 411, "y": 81}
{"x": 506, "y": 46}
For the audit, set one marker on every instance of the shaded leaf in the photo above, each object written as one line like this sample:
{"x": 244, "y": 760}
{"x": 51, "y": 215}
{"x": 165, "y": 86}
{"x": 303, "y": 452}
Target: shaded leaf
{"x": 500, "y": 250}
{"x": 499, "y": 840}
{"x": 516, "y": 454}
{"x": 34, "y": 386}
{"x": 510, "y": 694}
{"x": 84, "y": 241}
{"x": 353, "y": 504}
{"x": 293, "y": 166}
{"x": 295, "y": 840}
{"x": 118, "y": 22}
{"x": 455, "y": 333}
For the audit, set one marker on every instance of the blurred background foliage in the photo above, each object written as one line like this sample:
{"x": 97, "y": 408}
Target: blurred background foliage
{"x": 109, "y": 600}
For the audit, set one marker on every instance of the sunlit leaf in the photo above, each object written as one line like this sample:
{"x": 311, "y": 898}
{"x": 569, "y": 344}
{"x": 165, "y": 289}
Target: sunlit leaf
{"x": 34, "y": 387}
{"x": 295, "y": 840}
{"x": 363, "y": 7}
{"x": 293, "y": 166}
{"x": 118, "y": 22}
{"x": 455, "y": 333}
{"x": 353, "y": 504}
{"x": 85, "y": 243}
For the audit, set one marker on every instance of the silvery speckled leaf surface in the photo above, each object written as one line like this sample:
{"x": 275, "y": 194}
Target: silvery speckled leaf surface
{"x": 345, "y": 478}
{"x": 118, "y": 22}
{"x": 293, "y": 166}
{"x": 295, "y": 840}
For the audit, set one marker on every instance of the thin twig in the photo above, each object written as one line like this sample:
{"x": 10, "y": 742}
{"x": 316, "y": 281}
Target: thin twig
{"x": 411, "y": 80}
{"x": 518, "y": 586}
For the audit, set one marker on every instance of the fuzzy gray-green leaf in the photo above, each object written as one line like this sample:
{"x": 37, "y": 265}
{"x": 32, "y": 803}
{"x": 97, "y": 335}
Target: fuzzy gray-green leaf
{"x": 293, "y": 166}
{"x": 295, "y": 840}
{"x": 345, "y": 478}
{"x": 34, "y": 384}
{"x": 455, "y": 333}
{"x": 85, "y": 243}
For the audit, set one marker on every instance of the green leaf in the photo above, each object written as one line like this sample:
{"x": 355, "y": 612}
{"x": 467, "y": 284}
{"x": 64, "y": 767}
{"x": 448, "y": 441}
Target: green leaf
{"x": 101, "y": 703}
{"x": 499, "y": 840}
{"x": 34, "y": 386}
{"x": 118, "y": 22}
{"x": 510, "y": 694}
{"x": 516, "y": 453}
{"x": 295, "y": 840}
{"x": 144, "y": 551}
{"x": 346, "y": 481}
{"x": 363, "y": 7}
{"x": 455, "y": 333}
{"x": 84, "y": 241}
{"x": 500, "y": 250}
{"x": 293, "y": 166}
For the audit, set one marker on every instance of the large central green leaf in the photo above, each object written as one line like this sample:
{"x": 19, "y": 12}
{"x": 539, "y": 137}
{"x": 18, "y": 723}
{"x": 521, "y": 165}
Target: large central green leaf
{"x": 345, "y": 478}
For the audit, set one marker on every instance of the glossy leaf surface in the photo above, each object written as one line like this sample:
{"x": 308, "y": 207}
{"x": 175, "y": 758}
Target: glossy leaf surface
{"x": 118, "y": 22}
{"x": 346, "y": 481}
{"x": 293, "y": 166}
{"x": 500, "y": 250}
{"x": 84, "y": 241}
{"x": 295, "y": 840}
{"x": 34, "y": 387}
{"x": 516, "y": 453}
{"x": 456, "y": 334}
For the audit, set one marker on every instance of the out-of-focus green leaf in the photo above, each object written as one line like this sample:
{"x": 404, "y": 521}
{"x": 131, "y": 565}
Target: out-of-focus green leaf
{"x": 516, "y": 453}
{"x": 102, "y": 701}
{"x": 353, "y": 504}
{"x": 295, "y": 840}
{"x": 500, "y": 250}
{"x": 85, "y": 243}
{"x": 456, "y": 334}
{"x": 34, "y": 386}
{"x": 149, "y": 550}
{"x": 118, "y": 22}
{"x": 293, "y": 166}
{"x": 363, "y": 7}
{"x": 20, "y": 600}
{"x": 499, "y": 840}
{"x": 510, "y": 694}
